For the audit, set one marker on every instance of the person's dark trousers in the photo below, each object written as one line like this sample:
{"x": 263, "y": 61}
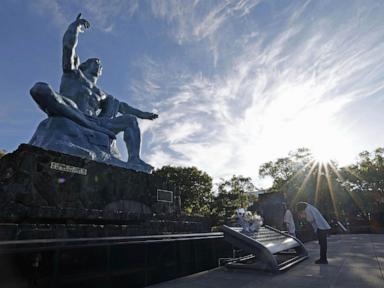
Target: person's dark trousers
{"x": 322, "y": 236}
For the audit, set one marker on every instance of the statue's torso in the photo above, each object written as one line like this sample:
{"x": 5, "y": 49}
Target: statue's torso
{"x": 75, "y": 86}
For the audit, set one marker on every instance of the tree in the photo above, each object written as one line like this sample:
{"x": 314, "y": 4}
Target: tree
{"x": 281, "y": 171}
{"x": 337, "y": 192}
{"x": 301, "y": 178}
{"x": 2, "y": 153}
{"x": 365, "y": 180}
{"x": 232, "y": 194}
{"x": 287, "y": 172}
{"x": 193, "y": 185}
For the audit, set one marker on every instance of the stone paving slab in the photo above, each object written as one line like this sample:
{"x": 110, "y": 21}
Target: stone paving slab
{"x": 355, "y": 261}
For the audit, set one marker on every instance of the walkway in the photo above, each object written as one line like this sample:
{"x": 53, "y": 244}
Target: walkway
{"x": 355, "y": 261}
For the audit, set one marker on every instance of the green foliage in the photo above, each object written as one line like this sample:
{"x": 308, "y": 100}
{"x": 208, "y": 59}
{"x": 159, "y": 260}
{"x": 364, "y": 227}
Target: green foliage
{"x": 194, "y": 186}
{"x": 336, "y": 191}
{"x": 365, "y": 180}
{"x": 281, "y": 171}
{"x": 301, "y": 178}
{"x": 232, "y": 194}
{"x": 287, "y": 172}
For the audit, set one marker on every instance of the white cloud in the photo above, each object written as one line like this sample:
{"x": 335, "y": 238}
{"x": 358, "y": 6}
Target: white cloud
{"x": 53, "y": 8}
{"x": 180, "y": 132}
{"x": 104, "y": 13}
{"x": 196, "y": 20}
{"x": 276, "y": 94}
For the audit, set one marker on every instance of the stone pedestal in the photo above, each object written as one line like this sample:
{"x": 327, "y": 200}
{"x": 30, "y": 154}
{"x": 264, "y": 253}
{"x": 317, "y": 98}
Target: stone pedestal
{"x": 47, "y": 194}
{"x": 61, "y": 185}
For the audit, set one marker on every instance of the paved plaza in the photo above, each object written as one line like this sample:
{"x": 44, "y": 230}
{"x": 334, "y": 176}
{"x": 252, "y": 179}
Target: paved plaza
{"x": 355, "y": 260}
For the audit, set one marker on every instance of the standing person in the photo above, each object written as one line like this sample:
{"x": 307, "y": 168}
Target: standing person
{"x": 319, "y": 224}
{"x": 288, "y": 221}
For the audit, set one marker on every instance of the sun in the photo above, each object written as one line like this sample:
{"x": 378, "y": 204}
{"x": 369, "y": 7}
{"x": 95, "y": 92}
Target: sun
{"x": 322, "y": 154}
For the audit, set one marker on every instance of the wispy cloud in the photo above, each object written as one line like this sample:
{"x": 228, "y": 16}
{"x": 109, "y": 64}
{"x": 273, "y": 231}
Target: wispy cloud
{"x": 53, "y": 8}
{"x": 282, "y": 88}
{"x": 196, "y": 20}
{"x": 104, "y": 13}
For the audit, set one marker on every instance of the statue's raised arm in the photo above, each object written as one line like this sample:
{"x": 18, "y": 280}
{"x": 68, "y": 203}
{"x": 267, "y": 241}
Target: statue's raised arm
{"x": 71, "y": 36}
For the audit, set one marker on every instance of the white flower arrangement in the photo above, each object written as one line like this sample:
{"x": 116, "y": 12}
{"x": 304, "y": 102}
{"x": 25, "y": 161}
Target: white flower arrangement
{"x": 250, "y": 222}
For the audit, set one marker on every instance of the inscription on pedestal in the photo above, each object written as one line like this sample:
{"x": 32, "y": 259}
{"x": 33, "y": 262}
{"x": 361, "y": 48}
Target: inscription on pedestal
{"x": 68, "y": 168}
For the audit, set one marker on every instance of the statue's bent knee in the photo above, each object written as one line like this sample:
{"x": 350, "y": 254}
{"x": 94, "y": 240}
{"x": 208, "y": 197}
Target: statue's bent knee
{"x": 40, "y": 88}
{"x": 40, "y": 91}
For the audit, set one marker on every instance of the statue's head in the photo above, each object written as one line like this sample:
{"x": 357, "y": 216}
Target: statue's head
{"x": 92, "y": 66}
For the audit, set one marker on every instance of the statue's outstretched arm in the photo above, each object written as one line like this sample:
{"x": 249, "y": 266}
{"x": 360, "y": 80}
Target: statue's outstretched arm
{"x": 124, "y": 108}
{"x": 70, "y": 40}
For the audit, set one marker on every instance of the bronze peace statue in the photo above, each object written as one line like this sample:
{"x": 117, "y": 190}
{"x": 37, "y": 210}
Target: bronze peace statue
{"x": 83, "y": 120}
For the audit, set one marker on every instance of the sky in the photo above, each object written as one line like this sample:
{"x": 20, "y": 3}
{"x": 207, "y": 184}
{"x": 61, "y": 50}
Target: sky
{"x": 235, "y": 83}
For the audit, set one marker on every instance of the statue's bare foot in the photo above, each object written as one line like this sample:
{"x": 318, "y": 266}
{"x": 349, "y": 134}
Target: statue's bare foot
{"x": 143, "y": 166}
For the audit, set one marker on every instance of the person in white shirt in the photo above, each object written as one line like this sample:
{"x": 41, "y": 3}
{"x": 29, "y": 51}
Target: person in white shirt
{"x": 319, "y": 224}
{"x": 288, "y": 221}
